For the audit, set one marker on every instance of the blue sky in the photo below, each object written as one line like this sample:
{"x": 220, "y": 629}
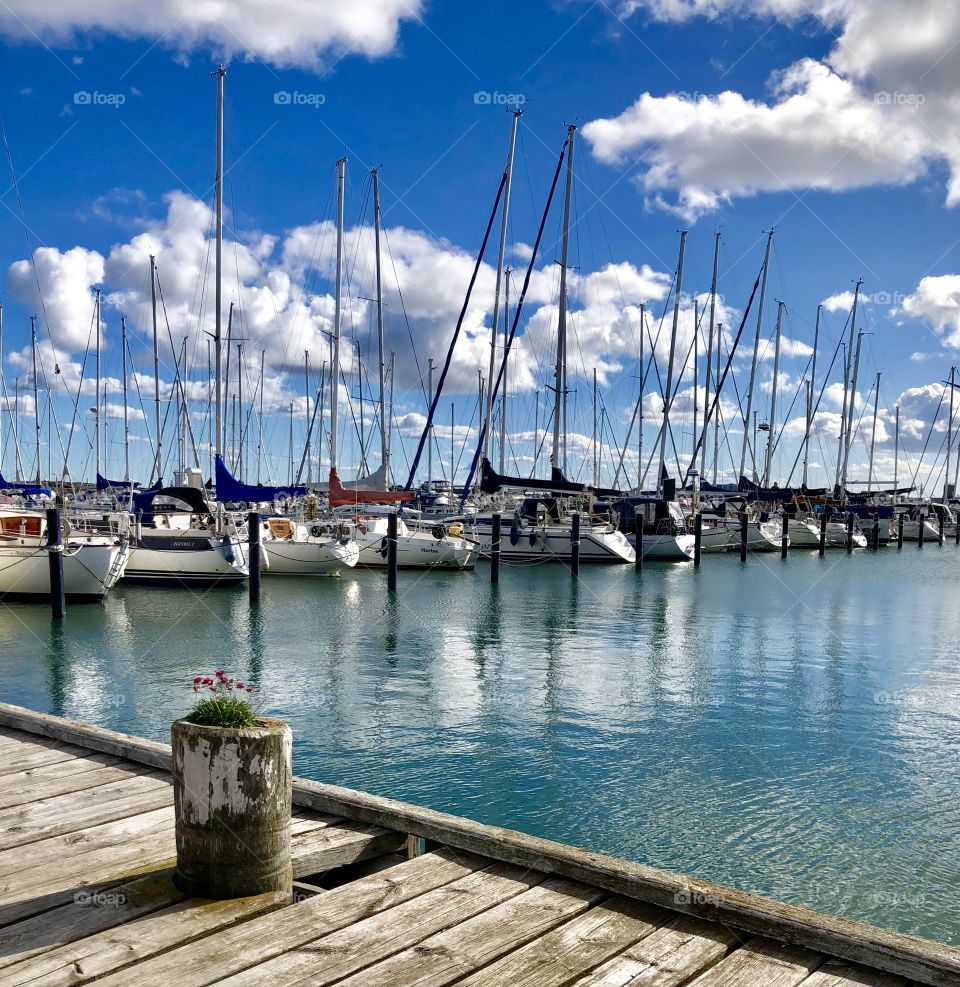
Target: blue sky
{"x": 854, "y": 186}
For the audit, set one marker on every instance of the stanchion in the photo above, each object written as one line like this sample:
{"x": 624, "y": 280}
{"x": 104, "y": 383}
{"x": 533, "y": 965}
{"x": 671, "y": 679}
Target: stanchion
{"x": 697, "y": 538}
{"x": 58, "y": 600}
{"x": 785, "y": 536}
{"x": 392, "y": 553}
{"x": 575, "y": 545}
{"x": 824, "y": 518}
{"x": 253, "y": 555}
{"x": 899, "y": 531}
{"x": 743, "y": 536}
{"x": 497, "y": 520}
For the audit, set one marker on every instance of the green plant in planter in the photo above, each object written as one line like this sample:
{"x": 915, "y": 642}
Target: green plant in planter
{"x": 227, "y": 706}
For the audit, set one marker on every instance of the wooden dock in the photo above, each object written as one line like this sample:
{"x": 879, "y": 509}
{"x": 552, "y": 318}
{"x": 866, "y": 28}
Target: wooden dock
{"x": 86, "y": 894}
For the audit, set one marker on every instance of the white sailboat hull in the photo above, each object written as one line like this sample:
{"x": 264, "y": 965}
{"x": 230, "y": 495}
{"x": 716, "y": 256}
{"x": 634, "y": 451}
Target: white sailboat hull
{"x": 90, "y": 570}
{"x": 667, "y": 548}
{"x": 182, "y": 559}
{"x": 417, "y": 550}
{"x": 551, "y": 543}
{"x": 313, "y": 557}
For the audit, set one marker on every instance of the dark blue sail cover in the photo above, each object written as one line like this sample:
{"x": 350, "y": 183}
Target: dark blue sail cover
{"x": 229, "y": 488}
{"x": 30, "y": 489}
{"x": 104, "y": 484}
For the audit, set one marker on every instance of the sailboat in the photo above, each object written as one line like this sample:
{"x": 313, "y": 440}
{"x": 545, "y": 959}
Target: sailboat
{"x": 362, "y": 507}
{"x": 92, "y": 562}
{"x": 291, "y": 547}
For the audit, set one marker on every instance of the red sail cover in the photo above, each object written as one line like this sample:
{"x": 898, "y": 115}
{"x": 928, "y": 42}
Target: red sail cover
{"x": 340, "y": 496}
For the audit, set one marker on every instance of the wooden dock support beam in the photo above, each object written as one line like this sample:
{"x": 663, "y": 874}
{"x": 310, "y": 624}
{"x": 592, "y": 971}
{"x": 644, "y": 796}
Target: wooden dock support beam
{"x": 253, "y": 555}
{"x": 496, "y": 526}
{"x": 638, "y": 540}
{"x": 575, "y": 545}
{"x": 392, "y": 529}
{"x": 58, "y": 600}
{"x": 743, "y": 536}
{"x": 920, "y": 534}
{"x": 939, "y": 529}
{"x": 824, "y": 520}
{"x": 697, "y": 538}
{"x": 876, "y": 532}
{"x": 785, "y": 536}
{"x": 900, "y": 531}
{"x": 850, "y": 523}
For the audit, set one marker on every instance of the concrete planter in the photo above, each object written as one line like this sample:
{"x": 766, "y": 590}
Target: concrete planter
{"x": 232, "y": 796}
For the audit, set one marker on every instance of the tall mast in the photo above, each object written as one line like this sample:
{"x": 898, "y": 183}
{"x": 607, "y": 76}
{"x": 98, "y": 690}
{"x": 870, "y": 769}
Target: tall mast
{"x": 393, "y": 358}
{"x": 643, "y": 332}
{"x": 708, "y": 380}
{"x": 3, "y": 392}
{"x": 210, "y": 424}
{"x": 16, "y": 426}
{"x": 873, "y": 430}
{"x": 508, "y": 179}
{"x": 96, "y": 403}
{"x": 430, "y": 431}
{"x": 290, "y": 446}
{"x": 810, "y": 392}
{"x": 896, "y": 449}
{"x": 452, "y": 464}
{"x": 716, "y": 420}
{"x": 753, "y": 365}
{"x": 338, "y": 304}
{"x": 560, "y": 397}
{"x": 696, "y": 364}
{"x": 226, "y": 378}
{"x": 848, "y": 357}
{"x": 946, "y": 469}
{"x": 126, "y": 415}
{"x": 673, "y": 351}
{"x": 218, "y": 302}
{"x": 156, "y": 365}
{"x": 506, "y": 371}
{"x": 773, "y": 398}
{"x": 595, "y": 427}
{"x": 306, "y": 391}
{"x": 36, "y": 402}
{"x": 384, "y": 450}
{"x": 263, "y": 354}
{"x": 239, "y": 410}
{"x": 853, "y": 397}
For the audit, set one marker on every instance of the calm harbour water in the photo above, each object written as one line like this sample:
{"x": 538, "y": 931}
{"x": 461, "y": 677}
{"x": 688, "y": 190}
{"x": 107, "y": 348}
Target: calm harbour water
{"x": 790, "y": 728}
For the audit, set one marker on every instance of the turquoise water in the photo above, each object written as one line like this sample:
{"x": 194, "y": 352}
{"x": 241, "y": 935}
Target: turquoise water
{"x": 790, "y": 728}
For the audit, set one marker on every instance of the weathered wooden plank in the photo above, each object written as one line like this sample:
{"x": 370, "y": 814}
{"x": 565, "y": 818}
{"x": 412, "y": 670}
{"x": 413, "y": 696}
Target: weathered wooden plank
{"x": 36, "y": 757}
{"x": 80, "y": 810}
{"x": 837, "y": 973}
{"x": 569, "y": 950}
{"x": 86, "y": 959}
{"x": 119, "y": 832}
{"x": 327, "y": 847}
{"x": 261, "y": 939}
{"x": 328, "y": 959}
{"x": 61, "y": 778}
{"x": 88, "y": 737}
{"x": 928, "y": 962}
{"x": 761, "y": 963}
{"x": 306, "y": 821}
{"x": 80, "y": 919}
{"x": 49, "y": 884}
{"x": 667, "y": 957}
{"x": 454, "y": 953}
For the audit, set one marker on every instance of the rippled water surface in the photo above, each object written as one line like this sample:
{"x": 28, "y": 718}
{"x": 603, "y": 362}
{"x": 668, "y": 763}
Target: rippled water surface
{"x": 791, "y": 728}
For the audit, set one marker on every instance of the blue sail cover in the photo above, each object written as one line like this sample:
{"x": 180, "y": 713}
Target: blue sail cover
{"x": 229, "y": 488}
{"x": 30, "y": 489}
{"x": 104, "y": 484}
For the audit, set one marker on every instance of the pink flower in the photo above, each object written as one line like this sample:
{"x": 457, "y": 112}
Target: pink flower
{"x": 239, "y": 685}
{"x": 213, "y": 688}
{"x": 249, "y": 688}
{"x": 197, "y": 680}
{"x": 196, "y": 688}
